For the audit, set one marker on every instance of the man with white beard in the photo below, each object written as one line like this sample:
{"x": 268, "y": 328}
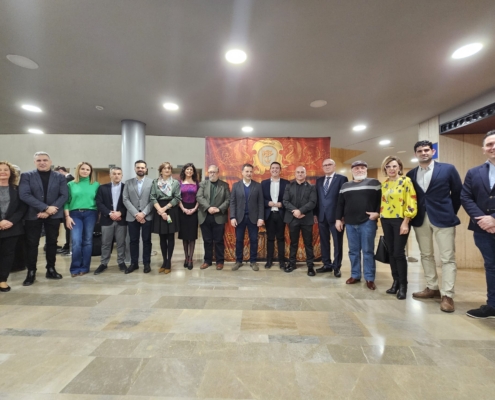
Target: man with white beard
{"x": 358, "y": 207}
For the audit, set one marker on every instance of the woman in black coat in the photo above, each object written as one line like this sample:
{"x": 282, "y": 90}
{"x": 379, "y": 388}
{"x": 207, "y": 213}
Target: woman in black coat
{"x": 12, "y": 210}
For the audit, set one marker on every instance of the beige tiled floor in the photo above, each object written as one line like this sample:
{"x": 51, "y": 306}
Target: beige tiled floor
{"x": 239, "y": 335}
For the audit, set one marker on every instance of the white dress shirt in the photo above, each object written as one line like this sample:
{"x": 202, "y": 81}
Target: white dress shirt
{"x": 116, "y": 189}
{"x": 274, "y": 192}
{"x": 423, "y": 177}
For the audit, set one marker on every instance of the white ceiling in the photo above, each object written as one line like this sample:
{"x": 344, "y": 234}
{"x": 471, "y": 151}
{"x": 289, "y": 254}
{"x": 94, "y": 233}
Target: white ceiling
{"x": 385, "y": 63}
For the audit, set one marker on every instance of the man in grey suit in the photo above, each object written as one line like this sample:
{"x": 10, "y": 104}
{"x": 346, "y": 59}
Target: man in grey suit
{"x": 213, "y": 198}
{"x": 300, "y": 200}
{"x": 246, "y": 211}
{"x": 139, "y": 213}
{"x": 45, "y": 192}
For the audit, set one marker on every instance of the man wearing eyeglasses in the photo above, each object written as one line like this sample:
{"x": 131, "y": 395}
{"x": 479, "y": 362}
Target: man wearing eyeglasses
{"x": 213, "y": 198}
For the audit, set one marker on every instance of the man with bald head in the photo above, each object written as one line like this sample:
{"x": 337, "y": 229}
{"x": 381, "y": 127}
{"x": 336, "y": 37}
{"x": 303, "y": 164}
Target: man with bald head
{"x": 328, "y": 189}
{"x": 213, "y": 199}
{"x": 300, "y": 200}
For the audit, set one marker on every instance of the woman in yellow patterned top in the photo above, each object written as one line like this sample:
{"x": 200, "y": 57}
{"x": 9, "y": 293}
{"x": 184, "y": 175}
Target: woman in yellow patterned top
{"x": 397, "y": 208}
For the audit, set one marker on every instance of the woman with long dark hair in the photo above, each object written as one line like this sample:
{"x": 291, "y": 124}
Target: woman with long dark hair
{"x": 189, "y": 185}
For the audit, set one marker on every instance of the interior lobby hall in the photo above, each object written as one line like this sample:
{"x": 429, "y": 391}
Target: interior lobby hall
{"x": 115, "y": 81}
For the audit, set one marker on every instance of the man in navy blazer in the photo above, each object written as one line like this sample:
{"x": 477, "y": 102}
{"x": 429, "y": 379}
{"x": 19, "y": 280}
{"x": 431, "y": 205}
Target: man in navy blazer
{"x": 438, "y": 187}
{"x": 246, "y": 211}
{"x": 45, "y": 192}
{"x": 110, "y": 203}
{"x": 273, "y": 196}
{"x": 478, "y": 199}
{"x": 328, "y": 189}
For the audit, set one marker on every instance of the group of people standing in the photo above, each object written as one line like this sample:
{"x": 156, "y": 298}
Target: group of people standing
{"x": 427, "y": 198}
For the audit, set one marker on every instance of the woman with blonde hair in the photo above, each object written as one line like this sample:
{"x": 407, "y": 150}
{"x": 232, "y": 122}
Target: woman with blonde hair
{"x": 398, "y": 207}
{"x": 165, "y": 197}
{"x": 12, "y": 209}
{"x": 80, "y": 217}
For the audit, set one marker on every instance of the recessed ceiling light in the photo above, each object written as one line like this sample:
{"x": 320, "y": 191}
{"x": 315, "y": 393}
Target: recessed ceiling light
{"x": 318, "y": 103}
{"x": 23, "y": 62}
{"x": 247, "y": 129}
{"x": 467, "y": 51}
{"x": 384, "y": 142}
{"x": 401, "y": 151}
{"x": 170, "y": 106}
{"x": 31, "y": 108}
{"x": 37, "y": 131}
{"x": 100, "y": 108}
{"x": 359, "y": 128}
{"x": 235, "y": 56}
{"x": 414, "y": 160}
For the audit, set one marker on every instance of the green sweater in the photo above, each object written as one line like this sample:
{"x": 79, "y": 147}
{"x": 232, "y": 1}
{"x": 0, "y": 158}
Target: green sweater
{"x": 82, "y": 195}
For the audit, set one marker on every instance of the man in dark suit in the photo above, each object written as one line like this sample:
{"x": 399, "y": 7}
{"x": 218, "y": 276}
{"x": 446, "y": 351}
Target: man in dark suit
{"x": 45, "y": 192}
{"x": 438, "y": 187}
{"x": 246, "y": 211}
{"x": 478, "y": 199}
{"x": 300, "y": 200}
{"x": 213, "y": 199}
{"x": 68, "y": 177}
{"x": 110, "y": 203}
{"x": 273, "y": 195}
{"x": 139, "y": 214}
{"x": 328, "y": 189}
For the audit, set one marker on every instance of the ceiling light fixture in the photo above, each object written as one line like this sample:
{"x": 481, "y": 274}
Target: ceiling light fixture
{"x": 170, "y": 106}
{"x": 100, "y": 108}
{"x": 467, "y": 51}
{"x": 31, "y": 108}
{"x": 414, "y": 160}
{"x": 318, "y": 103}
{"x": 21, "y": 61}
{"x": 235, "y": 56}
{"x": 384, "y": 142}
{"x": 359, "y": 128}
{"x": 37, "y": 131}
{"x": 247, "y": 129}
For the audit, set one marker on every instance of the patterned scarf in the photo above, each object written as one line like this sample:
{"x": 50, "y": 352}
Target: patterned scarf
{"x": 166, "y": 186}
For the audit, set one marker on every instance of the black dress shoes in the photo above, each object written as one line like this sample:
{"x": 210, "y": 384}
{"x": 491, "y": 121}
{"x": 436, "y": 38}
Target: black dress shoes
{"x": 5, "y": 289}
{"x": 131, "y": 268}
{"x": 289, "y": 268}
{"x": 282, "y": 265}
{"x": 268, "y": 264}
{"x": 311, "y": 271}
{"x": 325, "y": 268}
{"x": 122, "y": 267}
{"x": 51, "y": 273}
{"x": 336, "y": 272}
{"x": 147, "y": 268}
{"x": 100, "y": 269}
{"x": 394, "y": 288}
{"x": 401, "y": 294}
{"x": 30, "y": 278}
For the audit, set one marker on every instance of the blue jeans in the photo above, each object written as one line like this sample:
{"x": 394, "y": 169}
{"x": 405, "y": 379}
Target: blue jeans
{"x": 362, "y": 238}
{"x": 239, "y": 239}
{"x": 486, "y": 244}
{"x": 82, "y": 239}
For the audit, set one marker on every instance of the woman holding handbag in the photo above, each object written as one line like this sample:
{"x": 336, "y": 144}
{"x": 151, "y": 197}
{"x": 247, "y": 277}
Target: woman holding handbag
{"x": 397, "y": 208}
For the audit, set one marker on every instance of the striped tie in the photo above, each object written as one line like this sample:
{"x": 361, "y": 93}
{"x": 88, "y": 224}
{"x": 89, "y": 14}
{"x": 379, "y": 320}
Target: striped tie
{"x": 326, "y": 186}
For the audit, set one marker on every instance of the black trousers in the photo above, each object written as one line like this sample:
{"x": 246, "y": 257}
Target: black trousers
{"x": 33, "y": 234}
{"x": 213, "y": 237}
{"x": 326, "y": 229}
{"x": 137, "y": 230}
{"x": 7, "y": 255}
{"x": 275, "y": 228}
{"x": 295, "y": 227}
{"x": 396, "y": 245}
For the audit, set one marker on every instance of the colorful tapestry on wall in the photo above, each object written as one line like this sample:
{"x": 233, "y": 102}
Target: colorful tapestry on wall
{"x": 229, "y": 154}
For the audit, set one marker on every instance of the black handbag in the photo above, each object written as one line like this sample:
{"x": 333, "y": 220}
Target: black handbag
{"x": 382, "y": 252}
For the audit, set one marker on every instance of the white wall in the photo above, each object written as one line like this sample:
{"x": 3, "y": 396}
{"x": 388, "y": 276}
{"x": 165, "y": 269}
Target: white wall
{"x": 99, "y": 150}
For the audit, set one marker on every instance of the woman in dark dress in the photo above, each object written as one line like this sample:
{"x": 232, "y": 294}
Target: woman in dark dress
{"x": 189, "y": 216}
{"x": 165, "y": 196}
{"x": 12, "y": 209}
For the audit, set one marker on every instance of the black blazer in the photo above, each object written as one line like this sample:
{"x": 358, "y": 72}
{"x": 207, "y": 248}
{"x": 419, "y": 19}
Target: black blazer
{"x": 14, "y": 214}
{"x": 327, "y": 203}
{"x": 306, "y": 204}
{"x": 442, "y": 200}
{"x": 238, "y": 202}
{"x": 267, "y": 197}
{"x": 104, "y": 204}
{"x": 478, "y": 198}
